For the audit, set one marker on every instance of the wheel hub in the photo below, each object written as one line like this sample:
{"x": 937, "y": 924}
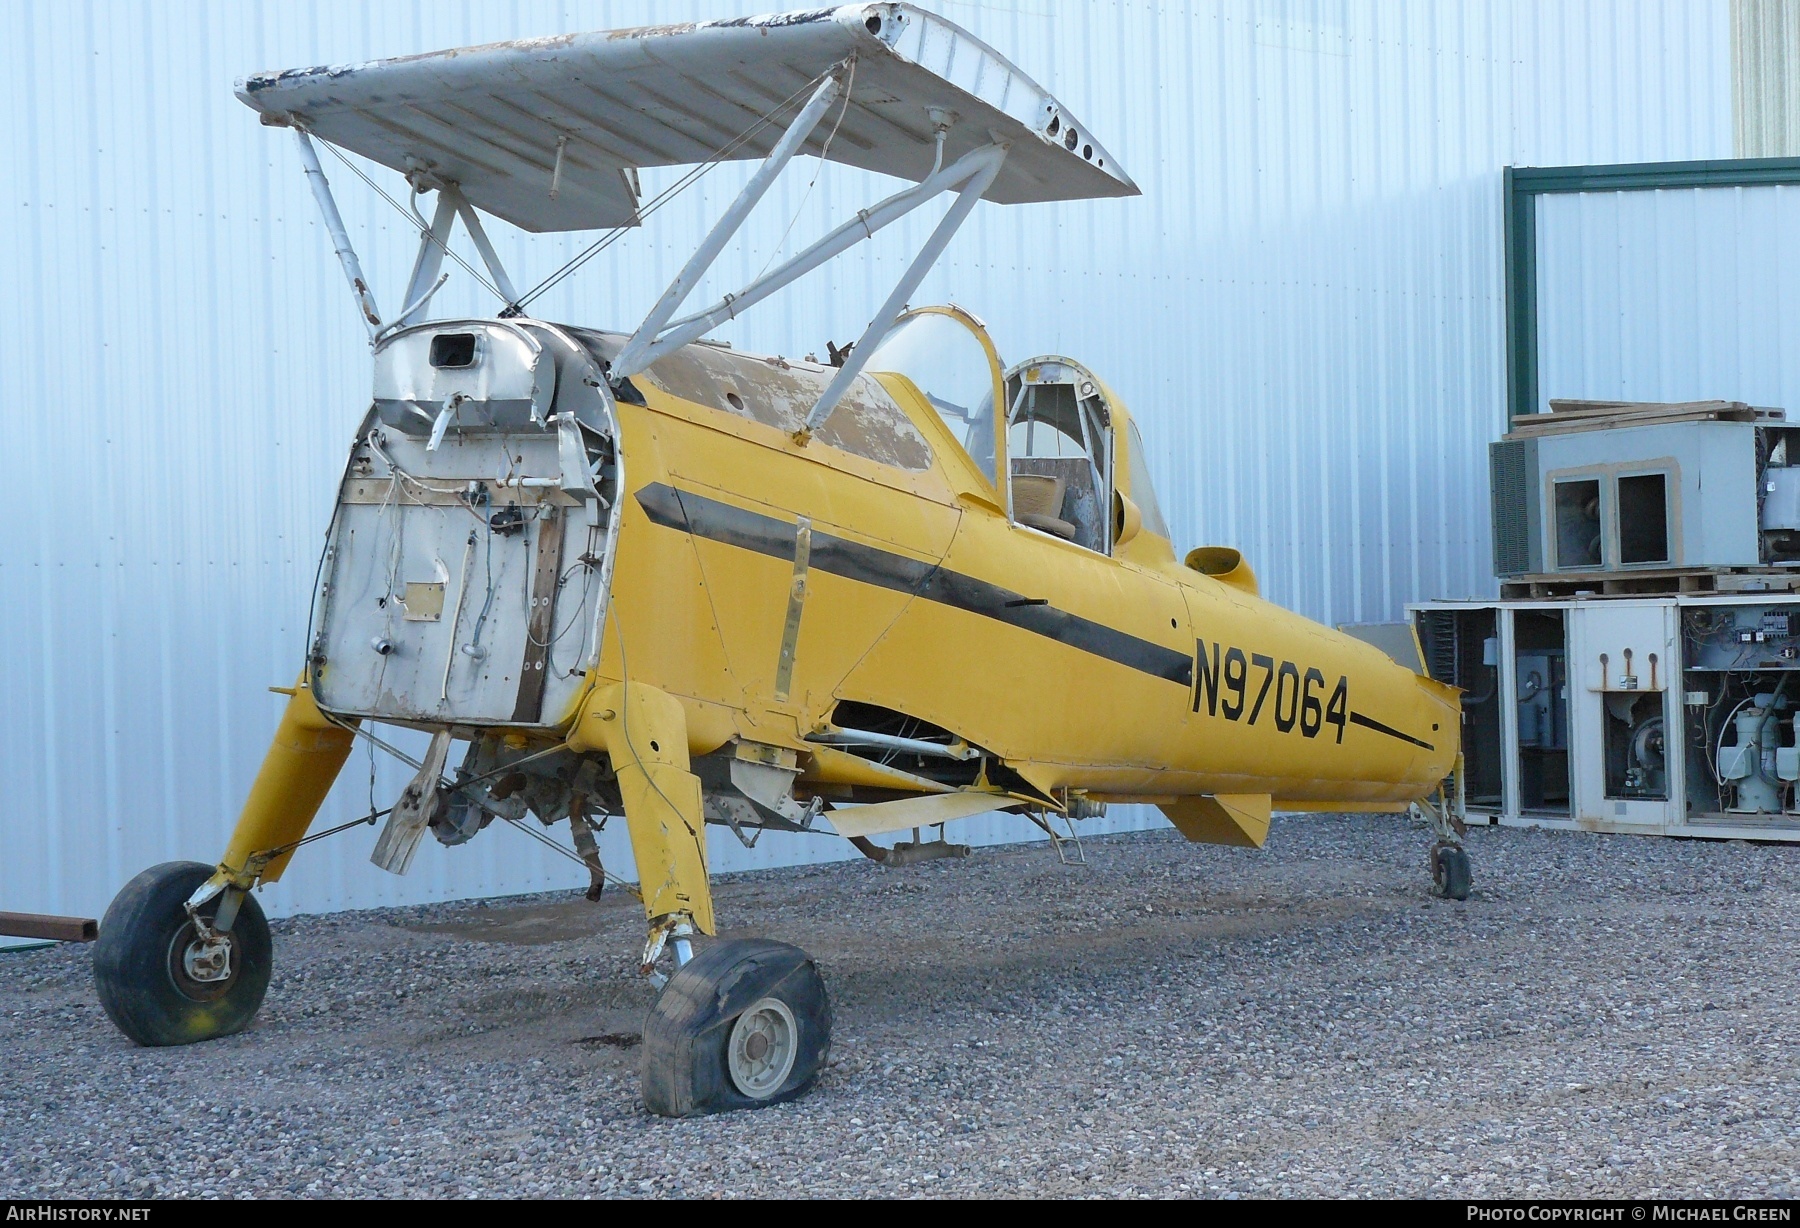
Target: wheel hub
{"x": 207, "y": 961}
{"x": 764, "y": 1043}
{"x": 202, "y": 967}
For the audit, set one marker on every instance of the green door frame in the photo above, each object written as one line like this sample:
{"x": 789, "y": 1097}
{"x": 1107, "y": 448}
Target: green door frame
{"x": 1524, "y": 184}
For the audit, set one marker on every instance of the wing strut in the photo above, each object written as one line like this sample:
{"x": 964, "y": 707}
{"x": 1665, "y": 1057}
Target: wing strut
{"x": 434, "y": 240}
{"x": 433, "y": 244}
{"x": 972, "y": 174}
{"x": 987, "y": 163}
{"x": 489, "y": 257}
{"x": 631, "y": 358}
{"x": 340, "y": 239}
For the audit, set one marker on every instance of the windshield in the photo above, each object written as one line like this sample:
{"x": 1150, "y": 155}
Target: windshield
{"x": 944, "y": 361}
{"x": 1142, "y": 493}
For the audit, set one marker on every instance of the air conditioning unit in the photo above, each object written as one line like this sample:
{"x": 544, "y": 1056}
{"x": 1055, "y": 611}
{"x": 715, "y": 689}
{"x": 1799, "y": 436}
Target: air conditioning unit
{"x": 1597, "y": 490}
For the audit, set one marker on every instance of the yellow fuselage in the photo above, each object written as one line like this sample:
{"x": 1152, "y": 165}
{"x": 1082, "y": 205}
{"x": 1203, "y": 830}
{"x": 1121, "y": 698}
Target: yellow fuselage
{"x": 1129, "y": 677}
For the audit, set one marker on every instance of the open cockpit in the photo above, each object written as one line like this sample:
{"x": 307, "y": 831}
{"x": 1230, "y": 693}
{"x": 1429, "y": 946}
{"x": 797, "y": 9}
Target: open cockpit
{"x": 1055, "y": 466}
{"x": 1060, "y": 452}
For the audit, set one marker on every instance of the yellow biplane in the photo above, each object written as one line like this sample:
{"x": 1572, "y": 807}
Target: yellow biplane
{"x": 645, "y": 575}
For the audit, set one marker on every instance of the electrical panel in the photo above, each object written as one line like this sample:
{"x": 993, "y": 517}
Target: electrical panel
{"x": 1462, "y": 648}
{"x": 1742, "y": 695}
{"x": 1673, "y": 715}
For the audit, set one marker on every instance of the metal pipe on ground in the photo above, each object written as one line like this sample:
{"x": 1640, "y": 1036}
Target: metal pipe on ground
{"x": 907, "y": 854}
{"x": 41, "y": 925}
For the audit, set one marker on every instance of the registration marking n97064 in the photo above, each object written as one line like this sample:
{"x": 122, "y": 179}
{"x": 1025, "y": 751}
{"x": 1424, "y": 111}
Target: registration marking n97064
{"x": 1223, "y": 682}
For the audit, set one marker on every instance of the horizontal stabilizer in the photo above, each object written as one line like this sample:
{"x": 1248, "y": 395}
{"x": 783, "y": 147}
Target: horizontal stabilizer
{"x": 1240, "y": 819}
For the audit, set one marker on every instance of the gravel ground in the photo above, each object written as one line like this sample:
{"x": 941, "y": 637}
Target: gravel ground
{"x": 1607, "y": 1015}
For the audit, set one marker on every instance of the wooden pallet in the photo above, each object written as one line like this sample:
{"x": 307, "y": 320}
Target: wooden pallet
{"x": 1649, "y": 583}
{"x": 1566, "y": 417}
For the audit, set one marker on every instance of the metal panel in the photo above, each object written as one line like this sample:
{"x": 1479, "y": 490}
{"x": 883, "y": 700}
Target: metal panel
{"x": 1304, "y": 311}
{"x": 1674, "y": 295}
{"x": 1765, "y": 77}
{"x": 1614, "y": 647}
{"x": 1711, "y": 470}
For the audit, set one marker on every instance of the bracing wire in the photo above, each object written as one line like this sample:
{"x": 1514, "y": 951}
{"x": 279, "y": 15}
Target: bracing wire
{"x": 424, "y": 231}
{"x": 629, "y": 887}
{"x": 824, "y": 152}
{"x": 687, "y": 180}
{"x": 544, "y": 840}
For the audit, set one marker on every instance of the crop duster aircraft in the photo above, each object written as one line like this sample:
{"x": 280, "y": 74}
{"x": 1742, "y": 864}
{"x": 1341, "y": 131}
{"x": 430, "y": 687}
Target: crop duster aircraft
{"x": 645, "y": 576}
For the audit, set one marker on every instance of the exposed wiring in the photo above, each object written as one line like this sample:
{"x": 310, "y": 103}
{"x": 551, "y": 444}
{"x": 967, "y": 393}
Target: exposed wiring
{"x": 1719, "y": 752}
{"x": 312, "y": 610}
{"x": 550, "y": 644}
{"x": 488, "y": 603}
{"x": 404, "y": 483}
{"x": 393, "y": 561}
{"x": 409, "y": 483}
{"x": 1769, "y": 715}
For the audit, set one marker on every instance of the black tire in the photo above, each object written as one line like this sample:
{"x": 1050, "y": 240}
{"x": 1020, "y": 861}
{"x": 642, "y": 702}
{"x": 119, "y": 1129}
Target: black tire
{"x": 1450, "y": 875}
{"x": 686, "y": 1068}
{"x": 138, "y": 964}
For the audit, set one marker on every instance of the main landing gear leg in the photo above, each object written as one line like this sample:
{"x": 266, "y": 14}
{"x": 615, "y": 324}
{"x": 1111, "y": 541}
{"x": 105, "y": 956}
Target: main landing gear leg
{"x": 741, "y": 1023}
{"x": 184, "y": 951}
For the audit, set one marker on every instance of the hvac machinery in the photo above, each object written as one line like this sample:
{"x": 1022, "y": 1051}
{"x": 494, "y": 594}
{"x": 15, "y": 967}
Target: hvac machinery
{"x": 1610, "y": 497}
{"x": 644, "y": 576}
{"x": 1643, "y": 672}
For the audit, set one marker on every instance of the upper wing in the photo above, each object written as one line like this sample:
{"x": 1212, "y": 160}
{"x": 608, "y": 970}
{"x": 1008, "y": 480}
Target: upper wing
{"x": 491, "y": 118}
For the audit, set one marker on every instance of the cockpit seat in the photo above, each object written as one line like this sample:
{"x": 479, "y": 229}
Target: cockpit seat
{"x": 1038, "y": 502}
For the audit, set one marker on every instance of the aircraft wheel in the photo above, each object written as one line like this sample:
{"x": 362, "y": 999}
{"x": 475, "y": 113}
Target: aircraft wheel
{"x": 744, "y": 1024}
{"x": 1450, "y": 876}
{"x": 158, "y": 982}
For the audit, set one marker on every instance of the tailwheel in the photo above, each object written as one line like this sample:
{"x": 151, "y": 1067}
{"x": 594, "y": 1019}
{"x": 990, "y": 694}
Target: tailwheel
{"x": 744, "y": 1024}
{"x": 1450, "y": 875}
{"x": 165, "y": 980}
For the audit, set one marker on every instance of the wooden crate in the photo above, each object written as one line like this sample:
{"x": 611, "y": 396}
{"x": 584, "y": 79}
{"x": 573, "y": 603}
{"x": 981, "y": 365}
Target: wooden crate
{"x": 1569, "y": 416}
{"x": 1650, "y": 583}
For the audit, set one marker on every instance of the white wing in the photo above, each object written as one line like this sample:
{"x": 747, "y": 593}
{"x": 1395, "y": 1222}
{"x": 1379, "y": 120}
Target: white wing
{"x": 494, "y": 118}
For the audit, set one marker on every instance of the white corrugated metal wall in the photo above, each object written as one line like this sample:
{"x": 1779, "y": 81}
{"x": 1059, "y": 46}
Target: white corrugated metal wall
{"x": 1304, "y": 309}
{"x": 1675, "y": 295}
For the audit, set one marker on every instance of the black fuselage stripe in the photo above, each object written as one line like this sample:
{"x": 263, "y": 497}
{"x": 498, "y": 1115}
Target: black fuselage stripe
{"x": 736, "y": 526}
{"x": 1369, "y": 722}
